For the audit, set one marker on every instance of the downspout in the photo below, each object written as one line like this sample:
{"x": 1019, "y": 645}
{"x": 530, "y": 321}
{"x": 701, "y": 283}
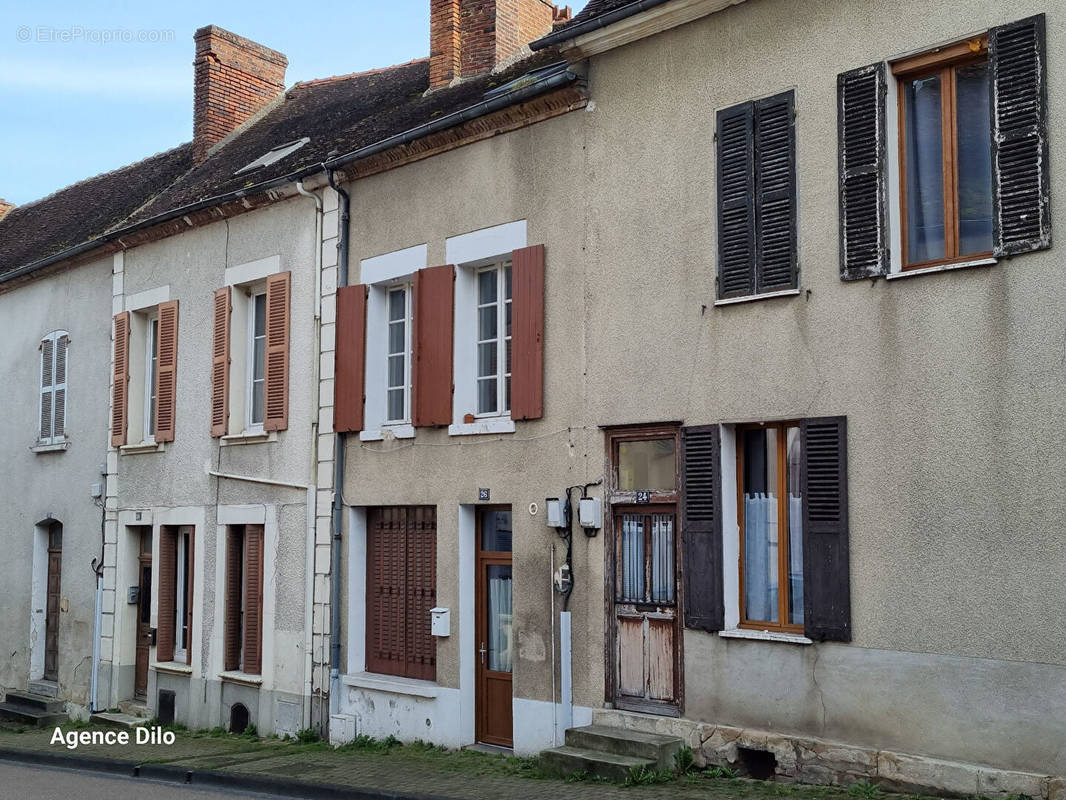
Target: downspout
{"x": 338, "y": 475}
{"x": 98, "y": 570}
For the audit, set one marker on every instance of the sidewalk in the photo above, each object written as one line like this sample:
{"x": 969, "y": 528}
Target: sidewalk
{"x": 381, "y": 770}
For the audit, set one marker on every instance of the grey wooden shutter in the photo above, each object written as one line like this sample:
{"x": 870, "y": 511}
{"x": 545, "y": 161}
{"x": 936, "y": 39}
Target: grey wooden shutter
{"x": 826, "y": 568}
{"x": 775, "y": 193}
{"x": 862, "y": 160}
{"x": 47, "y": 391}
{"x": 736, "y": 202}
{"x": 59, "y": 402}
{"x": 701, "y": 527}
{"x": 1021, "y": 212}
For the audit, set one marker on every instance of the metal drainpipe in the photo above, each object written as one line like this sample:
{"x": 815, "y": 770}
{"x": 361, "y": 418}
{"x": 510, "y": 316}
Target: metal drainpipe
{"x": 338, "y": 476}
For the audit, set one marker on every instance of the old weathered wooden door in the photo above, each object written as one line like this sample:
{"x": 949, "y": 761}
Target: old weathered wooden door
{"x": 51, "y": 621}
{"x": 494, "y": 629}
{"x": 144, "y": 615}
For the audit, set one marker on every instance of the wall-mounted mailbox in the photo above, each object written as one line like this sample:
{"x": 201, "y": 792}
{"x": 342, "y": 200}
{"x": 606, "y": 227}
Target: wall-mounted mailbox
{"x": 440, "y": 621}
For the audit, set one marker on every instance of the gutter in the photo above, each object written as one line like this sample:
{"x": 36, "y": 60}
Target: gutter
{"x": 594, "y": 24}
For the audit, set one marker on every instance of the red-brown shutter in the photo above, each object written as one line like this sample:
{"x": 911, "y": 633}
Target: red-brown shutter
{"x": 386, "y": 591}
{"x": 276, "y": 379}
{"x": 121, "y": 379}
{"x": 420, "y": 646}
{"x": 527, "y": 333}
{"x": 166, "y": 371}
{"x": 231, "y": 651}
{"x": 253, "y": 600}
{"x": 348, "y": 391}
{"x": 166, "y": 592}
{"x": 220, "y": 364}
{"x": 434, "y": 325}
{"x": 190, "y": 574}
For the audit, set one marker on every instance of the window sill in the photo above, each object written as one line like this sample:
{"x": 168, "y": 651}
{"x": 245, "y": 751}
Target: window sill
{"x": 765, "y": 636}
{"x": 243, "y": 678}
{"x": 482, "y": 426}
{"x": 57, "y": 447}
{"x": 172, "y": 667}
{"x": 748, "y": 298}
{"x": 143, "y": 447}
{"x": 910, "y": 273}
{"x": 387, "y": 432}
{"x": 392, "y": 684}
{"x": 248, "y": 437}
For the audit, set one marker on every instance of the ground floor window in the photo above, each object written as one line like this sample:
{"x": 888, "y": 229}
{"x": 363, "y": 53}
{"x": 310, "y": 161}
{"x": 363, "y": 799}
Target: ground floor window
{"x": 174, "y": 635}
{"x": 243, "y": 646}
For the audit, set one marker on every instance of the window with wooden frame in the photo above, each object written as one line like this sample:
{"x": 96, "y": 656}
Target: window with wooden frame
{"x": 770, "y": 518}
{"x": 945, "y": 155}
{"x": 175, "y": 594}
{"x": 145, "y": 377}
{"x": 53, "y": 389}
{"x": 243, "y": 633}
{"x": 494, "y": 340}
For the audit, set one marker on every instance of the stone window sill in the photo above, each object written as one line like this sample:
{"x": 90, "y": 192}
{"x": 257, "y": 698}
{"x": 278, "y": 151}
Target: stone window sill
{"x": 243, "y": 678}
{"x": 483, "y": 426}
{"x": 387, "y": 431}
{"x": 748, "y": 298}
{"x": 765, "y": 636}
{"x": 143, "y": 447}
{"x": 249, "y": 437}
{"x": 172, "y": 667}
{"x": 910, "y": 273}
{"x": 56, "y": 447}
{"x": 392, "y": 684}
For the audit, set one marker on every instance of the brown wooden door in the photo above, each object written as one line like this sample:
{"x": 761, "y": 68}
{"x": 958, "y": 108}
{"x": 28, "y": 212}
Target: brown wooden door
{"x": 494, "y": 630}
{"x": 645, "y": 594}
{"x": 144, "y": 615}
{"x": 51, "y": 621}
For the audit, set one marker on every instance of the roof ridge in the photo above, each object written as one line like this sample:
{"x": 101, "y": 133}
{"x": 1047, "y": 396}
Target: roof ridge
{"x": 375, "y": 71}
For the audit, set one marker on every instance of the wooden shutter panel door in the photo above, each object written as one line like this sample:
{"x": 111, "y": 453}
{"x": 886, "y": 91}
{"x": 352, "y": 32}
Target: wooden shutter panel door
{"x": 166, "y": 594}
{"x": 190, "y": 583}
{"x": 276, "y": 378}
{"x": 527, "y": 333}
{"x": 166, "y": 371}
{"x": 420, "y": 648}
{"x": 386, "y": 590}
{"x": 121, "y": 379}
{"x": 862, "y": 158}
{"x": 736, "y": 202}
{"x": 231, "y": 651}
{"x": 434, "y": 327}
{"x": 826, "y": 568}
{"x": 59, "y": 389}
{"x": 350, "y": 371}
{"x": 1021, "y": 210}
{"x": 701, "y": 531}
{"x": 220, "y": 364}
{"x": 775, "y": 191}
{"x": 253, "y": 600}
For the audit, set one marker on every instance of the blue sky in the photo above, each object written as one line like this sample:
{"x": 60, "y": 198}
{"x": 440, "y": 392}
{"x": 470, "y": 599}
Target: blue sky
{"x": 77, "y": 101}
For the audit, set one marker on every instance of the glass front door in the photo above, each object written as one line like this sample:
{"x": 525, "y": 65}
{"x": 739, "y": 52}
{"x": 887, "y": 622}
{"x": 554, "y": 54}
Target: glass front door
{"x": 495, "y": 628}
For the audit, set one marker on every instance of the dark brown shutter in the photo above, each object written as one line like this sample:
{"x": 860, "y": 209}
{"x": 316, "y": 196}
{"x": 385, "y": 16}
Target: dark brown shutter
{"x": 220, "y": 365}
{"x": 775, "y": 193}
{"x": 736, "y": 202}
{"x": 826, "y": 569}
{"x": 253, "y": 600}
{"x": 276, "y": 378}
{"x": 166, "y": 594}
{"x": 121, "y": 377}
{"x": 190, "y": 582}
{"x": 420, "y": 648}
{"x": 167, "y": 371}
{"x": 231, "y": 651}
{"x": 1021, "y": 215}
{"x": 527, "y": 333}
{"x": 701, "y": 527}
{"x": 861, "y": 155}
{"x": 386, "y": 590}
{"x": 434, "y": 326}
{"x": 349, "y": 376}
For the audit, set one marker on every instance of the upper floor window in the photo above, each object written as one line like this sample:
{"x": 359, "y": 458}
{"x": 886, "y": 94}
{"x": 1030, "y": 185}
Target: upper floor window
{"x": 144, "y": 395}
{"x": 398, "y": 355}
{"x": 494, "y": 339}
{"x": 53, "y": 389}
{"x": 256, "y": 372}
{"x": 151, "y": 374}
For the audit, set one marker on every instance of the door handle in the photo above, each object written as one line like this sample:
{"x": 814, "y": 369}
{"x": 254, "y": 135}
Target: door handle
{"x": 483, "y": 651}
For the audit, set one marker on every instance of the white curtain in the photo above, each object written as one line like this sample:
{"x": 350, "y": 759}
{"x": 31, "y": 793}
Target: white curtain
{"x": 662, "y": 559}
{"x": 499, "y": 623}
{"x": 633, "y": 558}
{"x": 760, "y": 557}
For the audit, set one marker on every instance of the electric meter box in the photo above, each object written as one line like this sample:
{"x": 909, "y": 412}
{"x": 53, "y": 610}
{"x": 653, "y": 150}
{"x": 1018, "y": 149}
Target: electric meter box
{"x": 554, "y": 508}
{"x": 590, "y": 512}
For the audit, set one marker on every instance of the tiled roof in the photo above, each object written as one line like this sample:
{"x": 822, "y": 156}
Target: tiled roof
{"x": 591, "y": 16}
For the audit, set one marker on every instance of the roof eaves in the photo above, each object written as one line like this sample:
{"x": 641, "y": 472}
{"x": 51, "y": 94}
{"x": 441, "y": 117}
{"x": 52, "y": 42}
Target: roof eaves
{"x": 568, "y": 32}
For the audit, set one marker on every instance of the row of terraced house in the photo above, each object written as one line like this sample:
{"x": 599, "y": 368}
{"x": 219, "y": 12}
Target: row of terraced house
{"x": 690, "y": 371}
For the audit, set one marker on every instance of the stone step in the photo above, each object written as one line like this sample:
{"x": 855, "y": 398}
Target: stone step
{"x": 29, "y": 717}
{"x": 116, "y": 720}
{"x": 35, "y": 702}
{"x": 135, "y": 708}
{"x": 44, "y": 688}
{"x": 568, "y": 760}
{"x": 653, "y": 747}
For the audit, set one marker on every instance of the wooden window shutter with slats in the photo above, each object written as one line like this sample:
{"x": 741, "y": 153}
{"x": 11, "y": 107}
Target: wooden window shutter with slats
{"x": 1021, "y": 211}
{"x": 220, "y": 363}
{"x": 231, "y": 651}
{"x": 53, "y": 392}
{"x": 166, "y": 594}
{"x": 420, "y": 648}
{"x": 736, "y": 201}
{"x": 701, "y": 532}
{"x": 349, "y": 374}
{"x": 386, "y": 591}
{"x": 48, "y": 358}
{"x": 826, "y": 568}
{"x": 253, "y": 600}
{"x": 434, "y": 327}
{"x": 190, "y": 583}
{"x": 121, "y": 378}
{"x": 862, "y": 162}
{"x": 527, "y": 333}
{"x": 276, "y": 383}
{"x": 59, "y": 389}
{"x": 166, "y": 371}
{"x": 775, "y": 193}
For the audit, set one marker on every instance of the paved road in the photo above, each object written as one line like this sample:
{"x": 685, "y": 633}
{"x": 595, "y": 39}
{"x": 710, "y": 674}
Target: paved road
{"x": 20, "y": 782}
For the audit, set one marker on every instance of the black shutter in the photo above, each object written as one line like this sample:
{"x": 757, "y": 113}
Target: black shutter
{"x": 736, "y": 202}
{"x": 826, "y": 575}
{"x": 775, "y": 192}
{"x": 1021, "y": 213}
{"x": 862, "y": 164}
{"x": 701, "y": 527}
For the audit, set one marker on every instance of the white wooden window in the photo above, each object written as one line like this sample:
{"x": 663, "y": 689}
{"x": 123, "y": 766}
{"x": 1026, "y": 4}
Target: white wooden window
{"x": 398, "y": 355}
{"x": 494, "y": 340}
{"x": 256, "y": 361}
{"x": 53, "y": 391}
{"x": 151, "y": 373}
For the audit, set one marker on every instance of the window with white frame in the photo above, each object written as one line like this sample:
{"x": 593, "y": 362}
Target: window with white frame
{"x": 183, "y": 599}
{"x": 256, "y": 361}
{"x": 494, "y": 339}
{"x": 398, "y": 355}
{"x": 53, "y": 389}
{"x": 151, "y": 373}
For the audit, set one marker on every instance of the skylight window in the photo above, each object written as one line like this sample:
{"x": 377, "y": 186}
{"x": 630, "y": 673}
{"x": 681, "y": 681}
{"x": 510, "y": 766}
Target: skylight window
{"x": 276, "y": 154}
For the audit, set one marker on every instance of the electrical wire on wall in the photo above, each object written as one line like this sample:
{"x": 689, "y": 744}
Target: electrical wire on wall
{"x": 566, "y": 533}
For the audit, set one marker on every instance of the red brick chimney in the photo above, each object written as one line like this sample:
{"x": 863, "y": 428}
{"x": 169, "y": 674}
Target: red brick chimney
{"x": 5, "y": 207}
{"x": 235, "y": 78}
{"x": 469, "y": 37}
